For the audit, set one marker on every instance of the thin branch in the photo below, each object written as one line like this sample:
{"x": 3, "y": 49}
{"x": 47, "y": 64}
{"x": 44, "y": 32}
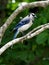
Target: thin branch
{"x": 27, "y": 36}
{"x": 17, "y": 11}
{"x": 37, "y": 28}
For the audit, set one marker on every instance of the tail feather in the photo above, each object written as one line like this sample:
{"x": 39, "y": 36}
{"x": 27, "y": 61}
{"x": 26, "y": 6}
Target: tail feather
{"x": 16, "y": 33}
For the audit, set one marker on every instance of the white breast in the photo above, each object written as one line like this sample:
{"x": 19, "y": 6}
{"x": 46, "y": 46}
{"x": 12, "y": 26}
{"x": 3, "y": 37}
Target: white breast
{"x": 25, "y": 27}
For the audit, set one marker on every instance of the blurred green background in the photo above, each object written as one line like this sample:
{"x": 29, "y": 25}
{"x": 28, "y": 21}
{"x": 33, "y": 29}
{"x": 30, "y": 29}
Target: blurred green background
{"x": 34, "y": 51}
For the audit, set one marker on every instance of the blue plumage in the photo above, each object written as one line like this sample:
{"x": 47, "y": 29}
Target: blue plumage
{"x": 24, "y": 24}
{"x": 16, "y": 33}
{"x": 21, "y": 23}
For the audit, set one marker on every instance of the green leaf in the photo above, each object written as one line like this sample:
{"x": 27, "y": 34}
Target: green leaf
{"x": 1, "y": 60}
{"x": 48, "y": 39}
{"x": 45, "y": 62}
{"x": 41, "y": 38}
{"x": 31, "y": 56}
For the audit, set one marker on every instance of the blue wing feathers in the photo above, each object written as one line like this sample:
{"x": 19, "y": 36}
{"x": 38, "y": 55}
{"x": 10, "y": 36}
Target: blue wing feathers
{"x": 16, "y": 33}
{"x": 21, "y": 23}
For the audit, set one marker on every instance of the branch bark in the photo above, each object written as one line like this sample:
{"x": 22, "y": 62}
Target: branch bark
{"x": 31, "y": 34}
{"x": 17, "y": 11}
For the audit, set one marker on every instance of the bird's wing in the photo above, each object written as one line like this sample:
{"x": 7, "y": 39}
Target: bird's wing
{"x": 21, "y": 23}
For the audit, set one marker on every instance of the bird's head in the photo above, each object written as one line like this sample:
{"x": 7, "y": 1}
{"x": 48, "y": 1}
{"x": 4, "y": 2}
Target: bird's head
{"x": 32, "y": 15}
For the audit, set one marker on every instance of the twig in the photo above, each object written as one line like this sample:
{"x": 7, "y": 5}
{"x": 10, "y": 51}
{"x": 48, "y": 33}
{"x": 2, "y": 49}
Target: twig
{"x": 37, "y": 28}
{"x": 27, "y": 36}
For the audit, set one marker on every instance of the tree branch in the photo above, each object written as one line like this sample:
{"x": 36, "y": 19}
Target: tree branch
{"x": 17, "y": 11}
{"x": 31, "y": 34}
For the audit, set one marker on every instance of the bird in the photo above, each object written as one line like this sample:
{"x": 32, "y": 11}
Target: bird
{"x": 24, "y": 24}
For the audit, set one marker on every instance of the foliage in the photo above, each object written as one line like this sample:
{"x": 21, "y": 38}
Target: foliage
{"x": 32, "y": 51}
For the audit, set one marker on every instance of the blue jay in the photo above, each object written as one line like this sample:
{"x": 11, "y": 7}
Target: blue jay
{"x": 24, "y": 24}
